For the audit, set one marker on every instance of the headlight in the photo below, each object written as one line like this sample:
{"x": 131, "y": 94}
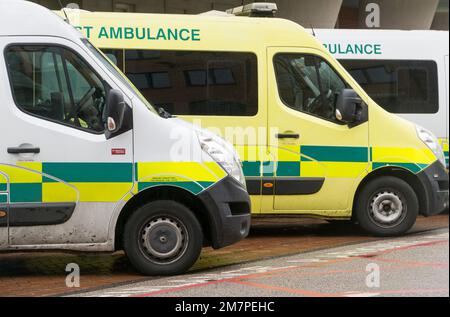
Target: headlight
{"x": 432, "y": 142}
{"x": 225, "y": 156}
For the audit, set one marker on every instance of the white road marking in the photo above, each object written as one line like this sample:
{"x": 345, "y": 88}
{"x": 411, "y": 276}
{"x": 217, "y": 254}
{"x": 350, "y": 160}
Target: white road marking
{"x": 197, "y": 279}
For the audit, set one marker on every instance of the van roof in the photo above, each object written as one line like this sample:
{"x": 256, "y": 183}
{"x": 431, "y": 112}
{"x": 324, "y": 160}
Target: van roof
{"x": 217, "y": 31}
{"x": 24, "y": 18}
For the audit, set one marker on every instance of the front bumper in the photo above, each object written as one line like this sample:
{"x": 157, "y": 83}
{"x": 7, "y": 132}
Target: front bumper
{"x": 435, "y": 182}
{"x": 228, "y": 206}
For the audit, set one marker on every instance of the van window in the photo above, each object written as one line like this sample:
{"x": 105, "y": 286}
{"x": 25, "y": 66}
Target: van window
{"x": 400, "y": 86}
{"x": 55, "y": 84}
{"x": 196, "y": 83}
{"x": 115, "y": 56}
{"x": 308, "y": 84}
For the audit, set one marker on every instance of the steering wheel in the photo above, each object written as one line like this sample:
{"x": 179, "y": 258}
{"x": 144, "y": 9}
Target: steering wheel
{"x": 74, "y": 113}
{"x": 317, "y": 106}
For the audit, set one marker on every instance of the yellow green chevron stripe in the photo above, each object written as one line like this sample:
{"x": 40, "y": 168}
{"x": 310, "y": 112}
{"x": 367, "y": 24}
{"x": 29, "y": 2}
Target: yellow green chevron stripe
{"x": 337, "y": 161}
{"x": 101, "y": 182}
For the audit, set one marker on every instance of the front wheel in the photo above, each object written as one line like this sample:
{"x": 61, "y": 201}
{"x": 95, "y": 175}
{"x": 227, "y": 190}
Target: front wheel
{"x": 387, "y": 206}
{"x": 163, "y": 238}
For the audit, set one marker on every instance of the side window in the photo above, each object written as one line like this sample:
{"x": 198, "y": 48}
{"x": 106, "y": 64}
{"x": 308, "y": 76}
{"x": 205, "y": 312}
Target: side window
{"x": 55, "y": 84}
{"x": 400, "y": 86}
{"x": 196, "y": 83}
{"x": 308, "y": 84}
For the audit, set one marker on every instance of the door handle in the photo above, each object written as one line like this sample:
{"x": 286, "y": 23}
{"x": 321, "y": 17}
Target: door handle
{"x": 23, "y": 150}
{"x": 287, "y": 136}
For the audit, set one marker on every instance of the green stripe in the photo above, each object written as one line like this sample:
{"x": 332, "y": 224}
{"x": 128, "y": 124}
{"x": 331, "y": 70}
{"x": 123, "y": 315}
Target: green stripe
{"x": 335, "y": 153}
{"x": 268, "y": 168}
{"x": 415, "y": 168}
{"x": 3, "y": 198}
{"x": 89, "y": 172}
{"x": 26, "y": 193}
{"x": 3, "y": 187}
{"x": 193, "y": 187}
{"x": 252, "y": 168}
{"x": 288, "y": 169}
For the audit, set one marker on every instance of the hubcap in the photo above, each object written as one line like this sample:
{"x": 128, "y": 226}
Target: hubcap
{"x": 387, "y": 208}
{"x": 163, "y": 240}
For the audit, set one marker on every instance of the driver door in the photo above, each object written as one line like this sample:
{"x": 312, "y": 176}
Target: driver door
{"x": 65, "y": 176}
{"x": 317, "y": 158}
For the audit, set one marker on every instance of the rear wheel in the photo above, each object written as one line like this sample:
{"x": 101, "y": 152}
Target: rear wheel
{"x": 387, "y": 206}
{"x": 163, "y": 238}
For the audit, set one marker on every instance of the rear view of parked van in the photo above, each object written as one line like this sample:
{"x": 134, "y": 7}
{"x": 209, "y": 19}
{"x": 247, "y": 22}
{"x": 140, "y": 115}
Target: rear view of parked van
{"x": 312, "y": 141}
{"x": 87, "y": 164}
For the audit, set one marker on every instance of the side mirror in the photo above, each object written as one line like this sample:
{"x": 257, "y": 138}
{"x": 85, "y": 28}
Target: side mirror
{"x": 114, "y": 111}
{"x": 349, "y": 107}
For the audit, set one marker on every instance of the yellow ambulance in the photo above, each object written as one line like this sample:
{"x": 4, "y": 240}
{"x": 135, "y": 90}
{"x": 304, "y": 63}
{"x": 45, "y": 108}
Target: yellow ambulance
{"x": 312, "y": 141}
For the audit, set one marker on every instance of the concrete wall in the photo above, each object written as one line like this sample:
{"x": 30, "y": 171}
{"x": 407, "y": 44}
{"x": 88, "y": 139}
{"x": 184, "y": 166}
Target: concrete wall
{"x": 395, "y": 14}
{"x": 402, "y": 14}
{"x": 164, "y": 6}
{"x": 318, "y": 13}
{"x": 440, "y": 21}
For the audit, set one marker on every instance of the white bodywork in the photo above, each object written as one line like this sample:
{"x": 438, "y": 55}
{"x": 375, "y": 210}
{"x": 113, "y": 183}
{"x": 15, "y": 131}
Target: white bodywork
{"x": 92, "y": 225}
{"x": 401, "y": 45}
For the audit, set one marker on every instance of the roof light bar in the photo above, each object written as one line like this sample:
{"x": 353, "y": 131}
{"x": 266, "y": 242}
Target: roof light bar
{"x": 256, "y": 9}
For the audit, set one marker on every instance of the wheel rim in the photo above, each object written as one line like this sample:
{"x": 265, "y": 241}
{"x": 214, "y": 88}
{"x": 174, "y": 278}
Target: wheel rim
{"x": 387, "y": 209}
{"x": 163, "y": 240}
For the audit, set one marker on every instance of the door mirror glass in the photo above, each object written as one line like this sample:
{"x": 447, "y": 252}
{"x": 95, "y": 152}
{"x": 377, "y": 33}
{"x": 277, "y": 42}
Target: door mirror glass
{"x": 114, "y": 111}
{"x": 348, "y": 106}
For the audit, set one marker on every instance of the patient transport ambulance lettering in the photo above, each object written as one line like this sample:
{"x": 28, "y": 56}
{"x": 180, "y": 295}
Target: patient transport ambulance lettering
{"x": 141, "y": 33}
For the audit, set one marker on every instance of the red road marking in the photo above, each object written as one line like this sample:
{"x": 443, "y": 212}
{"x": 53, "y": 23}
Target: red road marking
{"x": 181, "y": 288}
{"x": 239, "y": 279}
{"x": 406, "y": 247}
{"x": 283, "y": 289}
{"x": 400, "y": 291}
{"x": 413, "y": 263}
{"x": 177, "y": 289}
{"x": 414, "y": 291}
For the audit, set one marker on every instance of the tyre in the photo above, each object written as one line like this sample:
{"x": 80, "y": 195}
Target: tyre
{"x": 162, "y": 238}
{"x": 387, "y": 206}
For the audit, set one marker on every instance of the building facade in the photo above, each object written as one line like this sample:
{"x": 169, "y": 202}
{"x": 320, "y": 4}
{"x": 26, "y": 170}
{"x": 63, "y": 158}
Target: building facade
{"x": 355, "y": 14}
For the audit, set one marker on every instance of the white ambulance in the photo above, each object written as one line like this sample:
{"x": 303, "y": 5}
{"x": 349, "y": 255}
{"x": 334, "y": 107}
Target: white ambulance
{"x": 87, "y": 164}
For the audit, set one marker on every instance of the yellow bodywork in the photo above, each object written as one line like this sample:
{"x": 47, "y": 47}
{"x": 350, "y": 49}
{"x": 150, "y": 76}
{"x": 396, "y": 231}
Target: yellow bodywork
{"x": 340, "y": 155}
{"x": 52, "y": 182}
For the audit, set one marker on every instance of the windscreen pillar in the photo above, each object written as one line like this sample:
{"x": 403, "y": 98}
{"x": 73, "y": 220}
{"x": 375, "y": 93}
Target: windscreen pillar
{"x": 317, "y": 14}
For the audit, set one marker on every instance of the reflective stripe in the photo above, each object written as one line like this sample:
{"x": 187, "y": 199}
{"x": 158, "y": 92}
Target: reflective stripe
{"x": 193, "y": 187}
{"x": 89, "y": 172}
{"x": 101, "y": 182}
{"x": 415, "y": 168}
{"x": 336, "y": 161}
{"x": 335, "y": 153}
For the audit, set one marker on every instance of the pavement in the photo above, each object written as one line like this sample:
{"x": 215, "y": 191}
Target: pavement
{"x": 417, "y": 265}
{"x": 44, "y": 274}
